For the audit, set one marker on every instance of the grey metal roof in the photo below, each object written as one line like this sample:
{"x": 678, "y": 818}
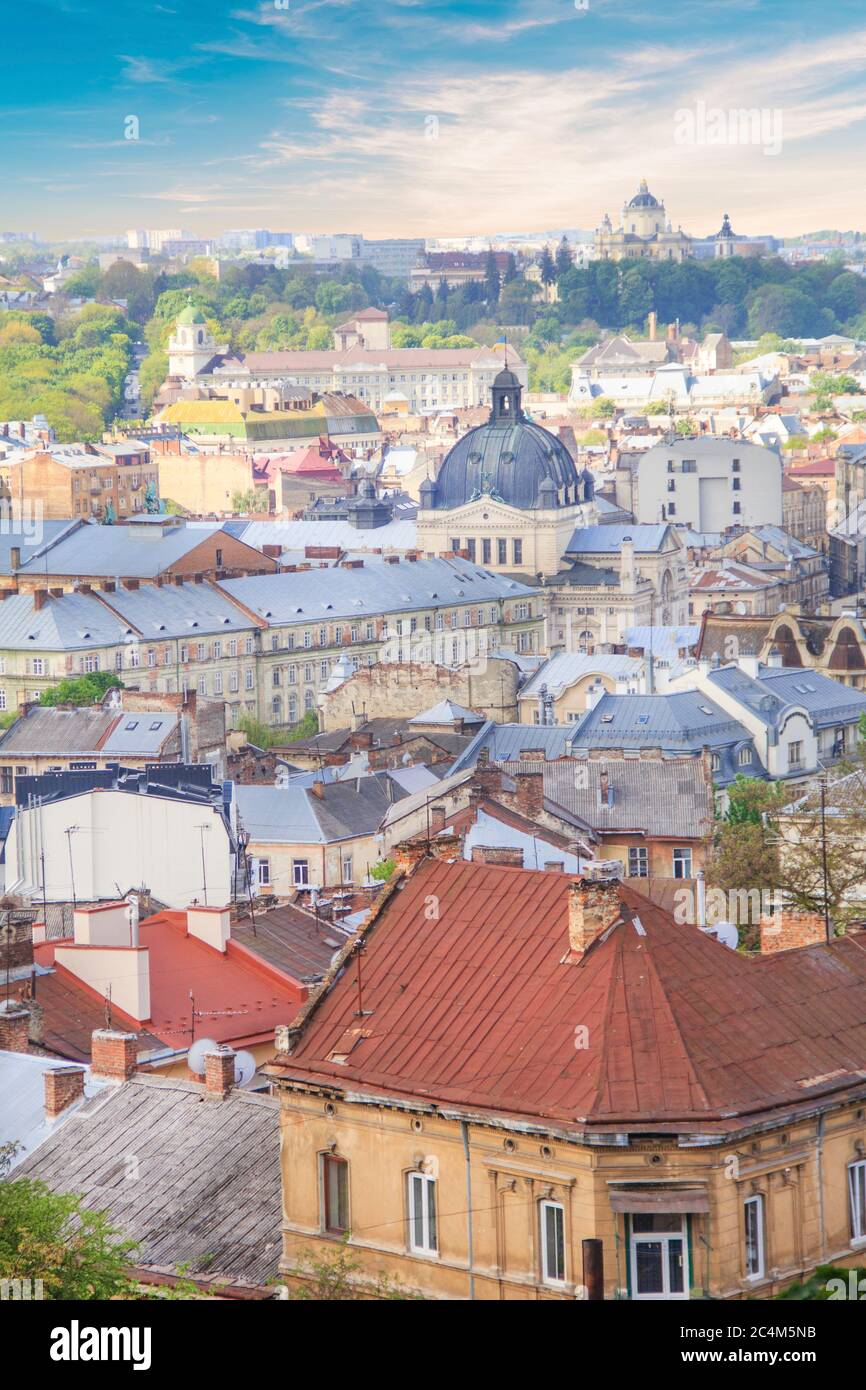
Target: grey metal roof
{"x": 22, "y": 1100}
{"x": 564, "y": 668}
{"x": 123, "y": 549}
{"x": 506, "y": 742}
{"x": 445, "y": 713}
{"x": 607, "y": 540}
{"x": 208, "y": 1192}
{"x": 178, "y": 610}
{"x": 776, "y": 688}
{"x": 13, "y": 535}
{"x": 684, "y": 720}
{"x": 75, "y": 621}
{"x": 296, "y": 535}
{"x": 315, "y": 595}
{"x": 278, "y": 815}
{"x": 660, "y": 796}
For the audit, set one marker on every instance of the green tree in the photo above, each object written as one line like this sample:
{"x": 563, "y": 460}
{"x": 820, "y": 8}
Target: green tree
{"x": 52, "y": 1236}
{"x": 80, "y": 690}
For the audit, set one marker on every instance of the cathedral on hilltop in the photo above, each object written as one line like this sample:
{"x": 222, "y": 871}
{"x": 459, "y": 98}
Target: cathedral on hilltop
{"x": 645, "y": 232}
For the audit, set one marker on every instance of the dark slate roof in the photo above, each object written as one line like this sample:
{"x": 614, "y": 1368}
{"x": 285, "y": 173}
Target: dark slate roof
{"x": 292, "y": 940}
{"x": 660, "y": 796}
{"x": 775, "y": 689}
{"x": 505, "y": 743}
{"x": 685, "y": 721}
{"x": 510, "y": 459}
{"x": 208, "y": 1196}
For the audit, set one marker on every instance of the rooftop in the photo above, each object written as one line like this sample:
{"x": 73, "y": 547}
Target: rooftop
{"x": 479, "y": 1013}
{"x": 209, "y": 1198}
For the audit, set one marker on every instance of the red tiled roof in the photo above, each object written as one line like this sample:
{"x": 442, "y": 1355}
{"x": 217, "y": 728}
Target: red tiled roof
{"x": 477, "y": 1008}
{"x": 239, "y": 997}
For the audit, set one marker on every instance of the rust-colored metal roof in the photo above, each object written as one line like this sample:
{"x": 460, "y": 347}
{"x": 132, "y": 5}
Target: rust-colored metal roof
{"x": 477, "y": 1007}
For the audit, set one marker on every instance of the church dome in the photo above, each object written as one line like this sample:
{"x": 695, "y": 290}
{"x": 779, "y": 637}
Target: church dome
{"x": 191, "y": 314}
{"x": 509, "y": 459}
{"x": 643, "y": 198}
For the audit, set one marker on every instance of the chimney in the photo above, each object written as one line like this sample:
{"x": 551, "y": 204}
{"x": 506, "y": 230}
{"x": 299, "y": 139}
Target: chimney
{"x": 509, "y": 856}
{"x": 132, "y": 584}
{"x": 113, "y": 1055}
{"x": 605, "y": 790}
{"x": 791, "y": 928}
{"x": 554, "y": 866}
{"x": 591, "y": 908}
{"x": 652, "y": 325}
{"x": 15, "y": 557}
{"x": 361, "y": 738}
{"x": 774, "y": 657}
{"x": 63, "y": 1087}
{"x": 39, "y": 598}
{"x": 437, "y": 817}
{"x": 317, "y": 789}
{"x": 14, "y": 1026}
{"x": 219, "y": 1072}
{"x": 178, "y": 579}
{"x": 108, "y": 586}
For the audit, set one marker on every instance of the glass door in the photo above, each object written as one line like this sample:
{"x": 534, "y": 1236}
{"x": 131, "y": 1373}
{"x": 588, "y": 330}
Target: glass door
{"x": 659, "y": 1256}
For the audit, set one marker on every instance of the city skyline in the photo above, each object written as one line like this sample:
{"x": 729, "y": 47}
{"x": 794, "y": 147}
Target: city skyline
{"x": 429, "y": 117}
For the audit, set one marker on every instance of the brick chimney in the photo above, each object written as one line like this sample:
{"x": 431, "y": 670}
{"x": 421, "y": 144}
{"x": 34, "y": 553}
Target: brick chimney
{"x": 219, "y": 1072}
{"x": 508, "y": 856}
{"x": 14, "y": 1026}
{"x": 40, "y": 597}
{"x": 791, "y": 928}
{"x": 591, "y": 908}
{"x": 63, "y": 1087}
{"x": 113, "y": 1055}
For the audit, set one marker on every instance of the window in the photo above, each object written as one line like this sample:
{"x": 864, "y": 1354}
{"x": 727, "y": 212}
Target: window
{"x": 300, "y": 873}
{"x": 233, "y": 647}
{"x": 737, "y": 509}
{"x": 233, "y": 682}
{"x": 2, "y": 699}
{"x": 638, "y": 864}
{"x": 151, "y": 656}
{"x": 264, "y": 872}
{"x": 715, "y": 762}
{"x": 248, "y": 646}
{"x": 200, "y": 651}
{"x": 517, "y": 549}
{"x": 335, "y": 1194}
{"x": 202, "y": 685}
{"x": 682, "y": 862}
{"x": 486, "y": 552}
{"x": 552, "y": 1218}
{"x": 744, "y": 757}
{"x": 672, "y": 508}
{"x": 6, "y": 784}
{"x": 422, "y": 1213}
{"x": 346, "y": 868}
{"x": 218, "y": 683}
{"x": 249, "y": 678}
{"x": 219, "y": 554}
{"x": 501, "y": 552}
{"x": 38, "y": 666}
{"x": 275, "y": 676}
{"x": 795, "y": 754}
{"x": 659, "y": 1256}
{"x": 455, "y": 544}
{"x": 754, "y": 1221}
{"x": 857, "y": 1193}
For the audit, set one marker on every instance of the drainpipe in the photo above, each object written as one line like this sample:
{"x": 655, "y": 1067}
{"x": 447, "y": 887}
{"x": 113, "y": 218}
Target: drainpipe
{"x": 464, "y": 1129}
{"x": 820, "y": 1157}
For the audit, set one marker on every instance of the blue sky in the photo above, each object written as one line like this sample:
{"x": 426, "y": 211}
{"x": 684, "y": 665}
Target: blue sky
{"x": 426, "y": 117}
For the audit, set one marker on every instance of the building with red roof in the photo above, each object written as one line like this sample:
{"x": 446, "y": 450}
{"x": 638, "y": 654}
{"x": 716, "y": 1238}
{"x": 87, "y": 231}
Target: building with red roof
{"x": 506, "y": 1064}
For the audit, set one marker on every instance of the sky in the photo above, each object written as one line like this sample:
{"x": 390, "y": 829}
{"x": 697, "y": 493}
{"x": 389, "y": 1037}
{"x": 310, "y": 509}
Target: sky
{"x": 430, "y": 117}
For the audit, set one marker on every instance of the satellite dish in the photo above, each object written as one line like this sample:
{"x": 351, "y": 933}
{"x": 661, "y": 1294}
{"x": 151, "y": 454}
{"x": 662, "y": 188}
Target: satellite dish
{"x": 725, "y": 933}
{"x": 245, "y": 1068}
{"x": 198, "y": 1052}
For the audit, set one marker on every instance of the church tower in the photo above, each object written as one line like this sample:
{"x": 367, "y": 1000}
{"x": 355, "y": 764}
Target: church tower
{"x": 190, "y": 346}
